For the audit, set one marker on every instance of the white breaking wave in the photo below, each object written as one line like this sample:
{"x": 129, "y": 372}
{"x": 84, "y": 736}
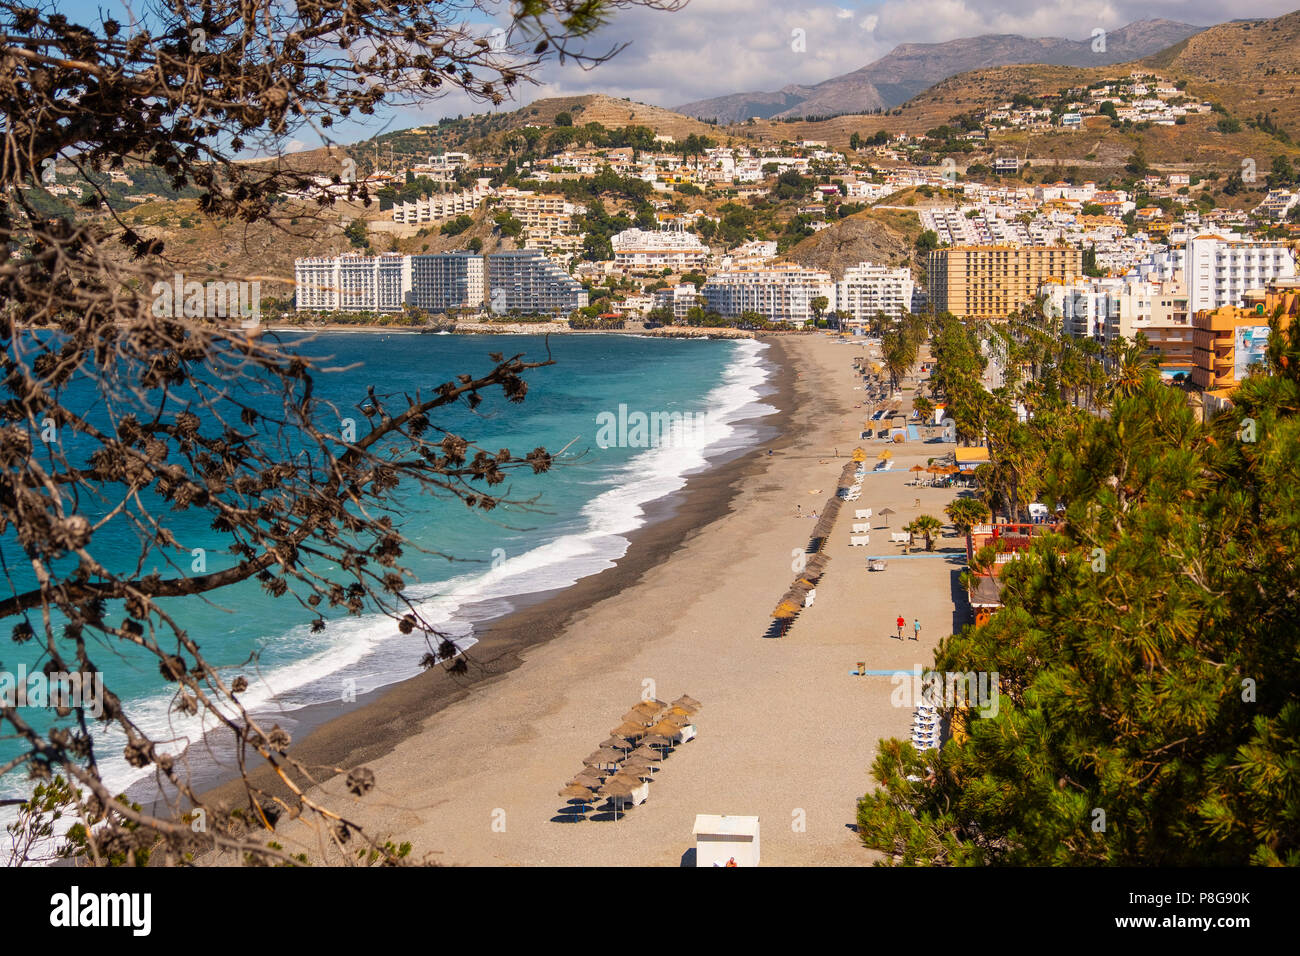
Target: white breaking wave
{"x": 371, "y": 653}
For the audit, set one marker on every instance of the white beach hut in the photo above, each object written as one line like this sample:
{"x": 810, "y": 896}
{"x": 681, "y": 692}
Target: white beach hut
{"x": 721, "y": 838}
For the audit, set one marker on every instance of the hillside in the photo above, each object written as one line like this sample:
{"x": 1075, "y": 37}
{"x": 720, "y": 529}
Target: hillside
{"x": 613, "y": 113}
{"x": 864, "y": 236}
{"x": 201, "y": 248}
{"x": 1248, "y": 68}
{"x": 911, "y": 68}
{"x": 1251, "y": 67}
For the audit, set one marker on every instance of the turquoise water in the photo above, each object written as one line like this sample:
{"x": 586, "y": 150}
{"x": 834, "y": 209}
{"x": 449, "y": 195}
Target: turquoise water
{"x": 577, "y": 525}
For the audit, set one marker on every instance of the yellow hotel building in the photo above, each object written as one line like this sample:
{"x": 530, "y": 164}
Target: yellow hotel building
{"x": 1228, "y": 340}
{"x": 990, "y": 282}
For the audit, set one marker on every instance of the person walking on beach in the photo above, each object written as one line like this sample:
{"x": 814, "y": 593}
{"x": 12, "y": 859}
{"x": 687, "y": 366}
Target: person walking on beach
{"x": 900, "y": 622}
{"x": 916, "y": 630}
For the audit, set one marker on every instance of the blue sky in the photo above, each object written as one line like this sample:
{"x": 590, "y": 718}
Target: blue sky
{"x": 712, "y": 47}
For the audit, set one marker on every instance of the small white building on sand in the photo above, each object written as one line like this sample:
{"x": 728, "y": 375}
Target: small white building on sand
{"x": 722, "y": 840}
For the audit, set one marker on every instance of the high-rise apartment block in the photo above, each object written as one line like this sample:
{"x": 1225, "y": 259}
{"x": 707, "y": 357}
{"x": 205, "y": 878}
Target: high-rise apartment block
{"x": 352, "y": 283}
{"x": 991, "y": 282}
{"x": 449, "y": 280}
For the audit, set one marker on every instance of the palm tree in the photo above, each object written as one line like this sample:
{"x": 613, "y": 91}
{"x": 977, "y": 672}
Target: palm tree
{"x": 924, "y": 407}
{"x": 966, "y": 513}
{"x": 927, "y": 526}
{"x": 1133, "y": 364}
{"x": 894, "y": 347}
{"x": 1091, "y": 350}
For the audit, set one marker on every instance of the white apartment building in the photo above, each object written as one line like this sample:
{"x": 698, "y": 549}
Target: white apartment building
{"x": 440, "y": 166}
{"x": 678, "y": 299}
{"x": 442, "y": 205}
{"x": 858, "y": 189}
{"x": 649, "y": 251}
{"x": 524, "y": 281}
{"x": 450, "y": 280}
{"x": 782, "y": 292}
{"x": 867, "y": 290}
{"x": 559, "y": 246}
{"x": 1113, "y": 308}
{"x": 546, "y": 210}
{"x": 1083, "y": 306}
{"x": 352, "y": 283}
{"x": 1277, "y": 204}
{"x": 753, "y": 253}
{"x": 1220, "y": 270}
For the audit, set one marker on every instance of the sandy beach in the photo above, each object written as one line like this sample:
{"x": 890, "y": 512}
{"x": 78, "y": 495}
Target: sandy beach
{"x": 468, "y": 768}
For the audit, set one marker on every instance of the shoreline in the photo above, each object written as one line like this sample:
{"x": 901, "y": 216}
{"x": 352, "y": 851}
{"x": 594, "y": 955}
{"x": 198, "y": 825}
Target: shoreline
{"x": 348, "y": 734}
{"x": 528, "y": 328}
{"x": 793, "y": 718}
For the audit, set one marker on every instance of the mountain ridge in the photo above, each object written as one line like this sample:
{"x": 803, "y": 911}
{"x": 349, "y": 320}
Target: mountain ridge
{"x": 910, "y": 68}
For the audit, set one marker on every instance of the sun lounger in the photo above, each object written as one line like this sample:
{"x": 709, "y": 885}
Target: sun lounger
{"x": 860, "y": 540}
{"x": 863, "y": 528}
{"x": 875, "y": 565}
{"x": 862, "y": 514}
{"x": 853, "y": 496}
{"x": 899, "y": 537}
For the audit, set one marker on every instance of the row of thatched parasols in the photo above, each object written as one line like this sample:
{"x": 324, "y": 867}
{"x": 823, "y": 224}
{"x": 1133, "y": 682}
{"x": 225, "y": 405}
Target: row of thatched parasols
{"x": 826, "y": 522}
{"x": 935, "y": 469}
{"x": 632, "y": 752}
{"x": 795, "y": 598}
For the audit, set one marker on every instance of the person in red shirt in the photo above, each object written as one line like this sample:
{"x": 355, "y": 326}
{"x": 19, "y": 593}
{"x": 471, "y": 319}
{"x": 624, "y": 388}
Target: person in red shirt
{"x": 901, "y": 622}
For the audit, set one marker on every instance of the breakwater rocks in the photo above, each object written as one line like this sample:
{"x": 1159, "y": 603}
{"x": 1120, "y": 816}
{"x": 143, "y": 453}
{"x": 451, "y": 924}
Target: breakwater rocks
{"x": 691, "y": 332}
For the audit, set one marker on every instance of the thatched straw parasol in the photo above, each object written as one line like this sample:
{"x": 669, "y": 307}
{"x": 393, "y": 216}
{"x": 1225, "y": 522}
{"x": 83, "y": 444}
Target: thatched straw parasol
{"x": 617, "y": 743}
{"x": 635, "y": 775}
{"x": 690, "y": 704}
{"x": 657, "y": 740}
{"x": 786, "y": 609}
{"x": 589, "y": 778}
{"x": 635, "y": 716}
{"x": 604, "y": 757}
{"x": 617, "y": 791}
{"x": 645, "y": 753}
{"x": 575, "y": 793}
{"x": 815, "y": 568}
{"x": 826, "y": 521}
{"x": 666, "y": 728}
{"x": 885, "y": 513}
{"x": 630, "y": 729}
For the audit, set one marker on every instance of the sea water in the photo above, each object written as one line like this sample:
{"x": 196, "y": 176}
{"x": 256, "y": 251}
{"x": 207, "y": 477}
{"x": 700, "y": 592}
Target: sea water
{"x": 570, "y": 523}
